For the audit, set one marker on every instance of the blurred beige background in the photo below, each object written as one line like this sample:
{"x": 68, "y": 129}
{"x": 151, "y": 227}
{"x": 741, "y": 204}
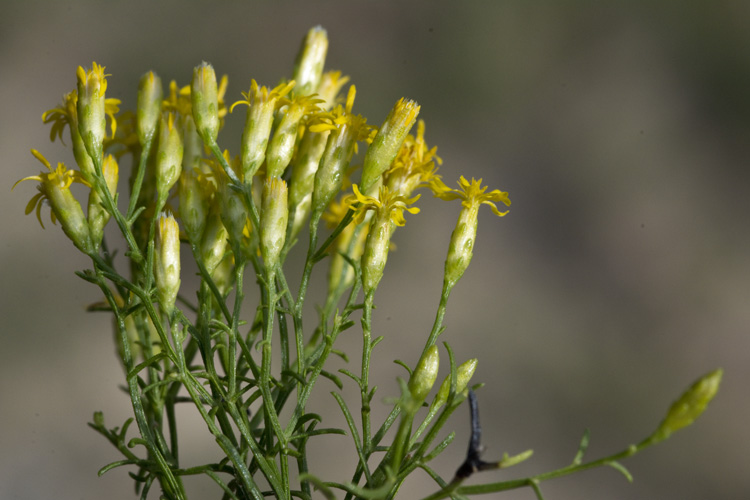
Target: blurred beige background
{"x": 621, "y": 274}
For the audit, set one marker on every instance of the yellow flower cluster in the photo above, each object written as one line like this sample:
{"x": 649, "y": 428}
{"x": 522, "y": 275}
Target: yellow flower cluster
{"x": 303, "y": 133}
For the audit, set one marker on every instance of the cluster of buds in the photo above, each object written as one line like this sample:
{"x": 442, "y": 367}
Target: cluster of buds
{"x": 296, "y": 153}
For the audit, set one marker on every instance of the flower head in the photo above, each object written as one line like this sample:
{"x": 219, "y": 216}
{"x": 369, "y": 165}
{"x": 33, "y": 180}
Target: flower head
{"x": 388, "y": 202}
{"x": 461, "y": 247}
{"x": 472, "y": 194}
{"x": 415, "y": 164}
{"x": 329, "y": 87}
{"x": 262, "y": 103}
{"x": 91, "y": 108}
{"x": 54, "y": 187}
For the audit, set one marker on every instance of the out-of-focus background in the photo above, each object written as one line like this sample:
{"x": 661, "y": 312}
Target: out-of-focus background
{"x": 621, "y": 273}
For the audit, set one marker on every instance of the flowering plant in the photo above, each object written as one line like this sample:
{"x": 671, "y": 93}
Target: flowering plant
{"x": 241, "y": 373}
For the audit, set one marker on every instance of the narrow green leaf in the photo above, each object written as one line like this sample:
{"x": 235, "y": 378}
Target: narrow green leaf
{"x": 114, "y": 465}
{"x": 355, "y": 435}
{"x": 621, "y": 468}
{"x": 582, "y": 447}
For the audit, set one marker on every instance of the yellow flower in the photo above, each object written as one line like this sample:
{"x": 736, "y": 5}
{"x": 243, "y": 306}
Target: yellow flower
{"x": 472, "y": 194}
{"x": 341, "y": 117}
{"x": 393, "y": 203}
{"x": 54, "y": 187}
{"x": 66, "y": 114}
{"x": 329, "y": 87}
{"x": 61, "y": 178}
{"x": 282, "y": 145}
{"x": 415, "y": 164}
{"x": 262, "y": 103}
{"x": 262, "y": 95}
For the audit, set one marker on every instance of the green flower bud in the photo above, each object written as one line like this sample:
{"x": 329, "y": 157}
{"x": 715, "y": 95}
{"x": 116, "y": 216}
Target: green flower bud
{"x": 281, "y": 148}
{"x": 150, "y": 94}
{"x": 387, "y": 143}
{"x": 376, "y": 251}
{"x": 304, "y": 168}
{"x": 92, "y": 85}
{"x": 97, "y": 214}
{"x": 461, "y": 247}
{"x": 205, "y": 99}
{"x": 214, "y": 242}
{"x": 273, "y": 220}
{"x": 168, "y": 157}
{"x": 464, "y": 372}
{"x": 308, "y": 67}
{"x": 330, "y": 175}
{"x": 423, "y": 378}
{"x": 167, "y": 262}
{"x": 261, "y": 104}
{"x": 691, "y": 404}
{"x": 193, "y": 144}
{"x": 194, "y": 197}
{"x": 234, "y": 214}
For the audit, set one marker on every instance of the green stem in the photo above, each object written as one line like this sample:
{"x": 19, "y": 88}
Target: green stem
{"x": 135, "y": 190}
{"x": 455, "y": 486}
{"x": 365, "y": 374}
{"x": 437, "y": 326}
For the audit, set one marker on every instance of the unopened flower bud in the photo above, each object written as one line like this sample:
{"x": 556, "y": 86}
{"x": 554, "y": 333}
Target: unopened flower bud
{"x": 261, "y": 104}
{"x": 167, "y": 262}
{"x": 214, "y": 242}
{"x": 464, "y": 372}
{"x": 168, "y": 157}
{"x": 205, "y": 99}
{"x": 387, "y": 143}
{"x": 92, "y": 85}
{"x": 308, "y": 67}
{"x": 303, "y": 176}
{"x": 330, "y": 175}
{"x": 194, "y": 197}
{"x": 376, "y": 251}
{"x": 234, "y": 213}
{"x": 423, "y": 378}
{"x": 281, "y": 147}
{"x": 97, "y": 214}
{"x": 273, "y": 220}
{"x": 192, "y": 143}
{"x": 691, "y": 404}
{"x": 150, "y": 94}
{"x": 461, "y": 246}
